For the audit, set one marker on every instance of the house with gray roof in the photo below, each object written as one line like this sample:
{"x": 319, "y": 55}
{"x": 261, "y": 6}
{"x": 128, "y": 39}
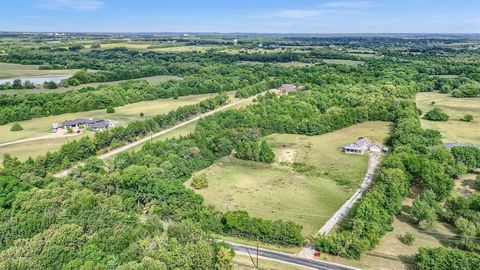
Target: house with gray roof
{"x": 360, "y": 146}
{"x": 93, "y": 123}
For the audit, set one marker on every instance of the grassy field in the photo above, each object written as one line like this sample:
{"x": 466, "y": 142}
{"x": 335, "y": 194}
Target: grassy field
{"x": 453, "y": 130}
{"x": 277, "y": 191}
{"x": 151, "y": 80}
{"x": 144, "y": 46}
{"x": 288, "y": 64}
{"x": 41, "y": 126}
{"x": 8, "y": 70}
{"x": 343, "y": 62}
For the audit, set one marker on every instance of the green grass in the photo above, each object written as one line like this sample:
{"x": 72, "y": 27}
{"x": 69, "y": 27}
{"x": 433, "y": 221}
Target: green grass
{"x": 453, "y": 130}
{"x": 277, "y": 191}
{"x": 288, "y": 64}
{"x": 42, "y": 126}
{"x": 8, "y": 70}
{"x": 144, "y": 46}
{"x": 343, "y": 62}
{"x": 151, "y": 80}
{"x": 34, "y": 149}
{"x": 124, "y": 114}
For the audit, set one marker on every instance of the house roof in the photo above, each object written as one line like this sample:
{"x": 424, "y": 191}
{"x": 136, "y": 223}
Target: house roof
{"x": 81, "y": 121}
{"x": 361, "y": 143}
{"x": 99, "y": 124}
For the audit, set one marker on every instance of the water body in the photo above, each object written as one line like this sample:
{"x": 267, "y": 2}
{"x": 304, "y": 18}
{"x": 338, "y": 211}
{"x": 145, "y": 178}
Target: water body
{"x": 38, "y": 79}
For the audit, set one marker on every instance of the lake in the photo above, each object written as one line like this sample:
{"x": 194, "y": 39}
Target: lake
{"x": 38, "y": 79}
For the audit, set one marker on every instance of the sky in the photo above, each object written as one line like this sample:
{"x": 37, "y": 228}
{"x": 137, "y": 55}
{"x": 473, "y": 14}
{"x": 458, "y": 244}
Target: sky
{"x": 259, "y": 16}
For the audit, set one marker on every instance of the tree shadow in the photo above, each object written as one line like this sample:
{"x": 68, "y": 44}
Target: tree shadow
{"x": 408, "y": 261}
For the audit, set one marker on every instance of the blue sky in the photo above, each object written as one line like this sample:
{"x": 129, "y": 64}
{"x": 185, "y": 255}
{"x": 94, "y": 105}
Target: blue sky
{"x": 271, "y": 16}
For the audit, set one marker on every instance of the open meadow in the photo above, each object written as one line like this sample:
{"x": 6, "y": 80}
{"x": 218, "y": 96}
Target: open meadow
{"x": 453, "y": 130}
{"x": 8, "y": 70}
{"x": 146, "y": 46}
{"x": 42, "y": 126}
{"x": 279, "y": 191}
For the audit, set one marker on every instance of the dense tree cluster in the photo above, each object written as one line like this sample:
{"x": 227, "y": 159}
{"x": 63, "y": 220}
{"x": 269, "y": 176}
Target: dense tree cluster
{"x": 86, "y": 147}
{"x": 137, "y": 213}
{"x": 239, "y": 223}
{"x": 446, "y": 258}
{"x": 17, "y": 84}
{"x": 436, "y": 114}
{"x": 24, "y": 107}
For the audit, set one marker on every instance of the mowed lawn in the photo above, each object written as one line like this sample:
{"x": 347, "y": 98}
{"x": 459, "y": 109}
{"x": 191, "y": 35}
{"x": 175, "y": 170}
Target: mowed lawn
{"x": 42, "y": 126}
{"x": 276, "y": 191}
{"x": 453, "y": 130}
{"x": 8, "y": 70}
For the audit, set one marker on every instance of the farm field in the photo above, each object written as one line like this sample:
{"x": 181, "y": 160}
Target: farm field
{"x": 288, "y": 64}
{"x": 42, "y": 126}
{"x": 151, "y": 80}
{"x": 453, "y": 130}
{"x": 343, "y": 62}
{"x": 144, "y": 46}
{"x": 8, "y": 70}
{"x": 278, "y": 191}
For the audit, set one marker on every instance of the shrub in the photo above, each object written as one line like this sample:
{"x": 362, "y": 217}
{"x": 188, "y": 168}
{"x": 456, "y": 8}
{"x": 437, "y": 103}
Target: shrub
{"x": 436, "y": 114}
{"x": 142, "y": 114}
{"x": 446, "y": 258}
{"x": 239, "y": 223}
{"x": 110, "y": 109}
{"x": 50, "y": 85}
{"x": 407, "y": 239}
{"x": 16, "y": 127}
{"x": 200, "y": 181}
{"x": 467, "y": 118}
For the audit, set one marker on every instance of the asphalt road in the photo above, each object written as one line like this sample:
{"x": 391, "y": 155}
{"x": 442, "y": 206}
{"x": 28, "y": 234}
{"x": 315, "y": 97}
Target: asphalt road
{"x": 288, "y": 258}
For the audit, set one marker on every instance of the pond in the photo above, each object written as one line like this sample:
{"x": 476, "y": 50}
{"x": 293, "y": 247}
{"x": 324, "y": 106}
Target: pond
{"x": 38, "y": 79}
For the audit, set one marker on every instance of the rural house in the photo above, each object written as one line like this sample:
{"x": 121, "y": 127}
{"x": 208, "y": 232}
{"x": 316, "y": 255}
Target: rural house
{"x": 93, "y": 123}
{"x": 287, "y": 88}
{"x": 360, "y": 146}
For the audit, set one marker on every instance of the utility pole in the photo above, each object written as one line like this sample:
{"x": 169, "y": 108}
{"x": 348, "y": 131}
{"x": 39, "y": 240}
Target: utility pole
{"x": 257, "y": 252}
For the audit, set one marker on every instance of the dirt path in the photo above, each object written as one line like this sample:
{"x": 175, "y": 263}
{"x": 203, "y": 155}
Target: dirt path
{"x": 160, "y": 133}
{"x": 342, "y": 212}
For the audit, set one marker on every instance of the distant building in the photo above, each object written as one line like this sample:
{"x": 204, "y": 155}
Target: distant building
{"x": 360, "y": 146}
{"x": 287, "y": 88}
{"x": 93, "y": 123}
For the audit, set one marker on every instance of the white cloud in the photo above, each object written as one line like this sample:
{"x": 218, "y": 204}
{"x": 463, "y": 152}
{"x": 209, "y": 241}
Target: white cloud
{"x": 71, "y": 4}
{"x": 350, "y": 4}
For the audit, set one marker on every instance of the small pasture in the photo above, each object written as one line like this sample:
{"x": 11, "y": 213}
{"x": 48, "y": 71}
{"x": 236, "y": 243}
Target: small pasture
{"x": 453, "y": 130}
{"x": 8, "y": 70}
{"x": 279, "y": 191}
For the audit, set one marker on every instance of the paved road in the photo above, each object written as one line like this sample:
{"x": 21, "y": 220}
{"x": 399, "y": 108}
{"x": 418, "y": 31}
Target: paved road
{"x": 165, "y": 131}
{"x": 287, "y": 258}
{"x": 345, "y": 208}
